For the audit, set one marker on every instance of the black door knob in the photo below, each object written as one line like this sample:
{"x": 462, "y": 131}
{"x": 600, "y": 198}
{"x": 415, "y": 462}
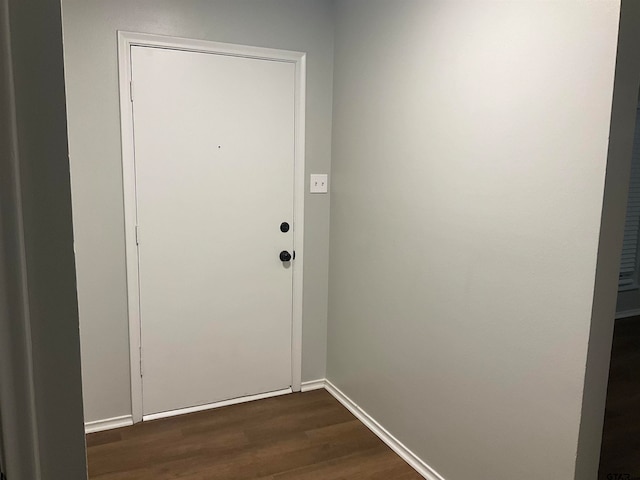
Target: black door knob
{"x": 285, "y": 256}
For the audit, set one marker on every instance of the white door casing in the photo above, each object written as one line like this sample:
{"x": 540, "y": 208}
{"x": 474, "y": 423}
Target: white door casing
{"x": 190, "y": 183}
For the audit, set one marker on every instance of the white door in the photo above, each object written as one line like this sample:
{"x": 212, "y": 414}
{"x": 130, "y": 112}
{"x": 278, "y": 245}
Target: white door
{"x": 214, "y": 158}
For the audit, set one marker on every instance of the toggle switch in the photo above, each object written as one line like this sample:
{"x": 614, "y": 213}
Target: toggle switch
{"x": 319, "y": 183}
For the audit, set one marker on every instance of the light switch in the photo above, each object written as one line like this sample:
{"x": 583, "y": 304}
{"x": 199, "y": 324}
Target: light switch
{"x": 319, "y": 183}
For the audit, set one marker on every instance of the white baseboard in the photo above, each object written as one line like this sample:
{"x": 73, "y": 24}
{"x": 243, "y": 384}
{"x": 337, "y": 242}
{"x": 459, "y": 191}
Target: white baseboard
{"x": 108, "y": 424}
{"x": 313, "y": 385}
{"x": 628, "y": 313}
{"x": 407, "y": 455}
{"x": 209, "y": 406}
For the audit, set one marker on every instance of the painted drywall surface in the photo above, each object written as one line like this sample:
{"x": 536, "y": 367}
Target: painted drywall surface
{"x": 469, "y": 153}
{"x": 18, "y": 435}
{"x": 47, "y": 243}
{"x": 623, "y": 118}
{"x": 94, "y": 141}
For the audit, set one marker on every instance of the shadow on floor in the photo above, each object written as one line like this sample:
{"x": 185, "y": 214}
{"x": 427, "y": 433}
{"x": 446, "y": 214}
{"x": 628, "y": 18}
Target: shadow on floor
{"x": 620, "y": 457}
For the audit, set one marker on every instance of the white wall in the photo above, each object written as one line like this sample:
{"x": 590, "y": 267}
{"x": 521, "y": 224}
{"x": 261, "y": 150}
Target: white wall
{"x": 94, "y": 142}
{"x": 469, "y": 154}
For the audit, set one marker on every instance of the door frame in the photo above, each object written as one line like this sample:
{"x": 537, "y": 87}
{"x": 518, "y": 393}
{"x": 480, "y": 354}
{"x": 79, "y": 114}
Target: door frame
{"x": 126, "y": 40}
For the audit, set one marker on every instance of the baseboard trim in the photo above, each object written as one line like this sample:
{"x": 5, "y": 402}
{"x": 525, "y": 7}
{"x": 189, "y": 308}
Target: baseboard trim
{"x": 313, "y": 385}
{"x": 209, "y": 406}
{"x": 628, "y": 313}
{"x": 407, "y": 455}
{"x": 108, "y": 424}
{"x": 398, "y": 447}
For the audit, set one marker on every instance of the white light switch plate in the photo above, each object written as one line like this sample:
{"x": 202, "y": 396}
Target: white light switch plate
{"x": 319, "y": 183}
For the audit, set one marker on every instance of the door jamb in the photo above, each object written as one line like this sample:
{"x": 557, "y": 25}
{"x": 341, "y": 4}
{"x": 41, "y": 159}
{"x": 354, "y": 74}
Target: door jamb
{"x": 126, "y": 40}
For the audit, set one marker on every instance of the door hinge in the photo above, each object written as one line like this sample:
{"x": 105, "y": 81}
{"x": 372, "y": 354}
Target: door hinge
{"x": 140, "y": 360}
{"x": 131, "y": 90}
{"x": 137, "y": 235}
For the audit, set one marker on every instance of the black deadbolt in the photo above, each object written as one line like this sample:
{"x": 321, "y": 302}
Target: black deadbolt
{"x": 284, "y": 227}
{"x": 285, "y": 256}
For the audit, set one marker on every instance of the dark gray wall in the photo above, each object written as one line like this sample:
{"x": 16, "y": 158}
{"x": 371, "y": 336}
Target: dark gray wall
{"x": 623, "y": 117}
{"x": 50, "y": 309}
{"x": 18, "y": 435}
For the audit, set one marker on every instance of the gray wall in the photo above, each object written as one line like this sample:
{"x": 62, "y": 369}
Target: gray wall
{"x": 18, "y": 433}
{"x": 94, "y": 142}
{"x": 623, "y": 118}
{"x": 469, "y": 154}
{"x": 38, "y": 271}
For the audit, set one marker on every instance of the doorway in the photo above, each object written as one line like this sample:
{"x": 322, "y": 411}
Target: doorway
{"x": 214, "y": 181}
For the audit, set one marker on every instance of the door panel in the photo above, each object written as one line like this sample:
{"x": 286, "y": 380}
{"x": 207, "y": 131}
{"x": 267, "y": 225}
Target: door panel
{"x": 214, "y": 154}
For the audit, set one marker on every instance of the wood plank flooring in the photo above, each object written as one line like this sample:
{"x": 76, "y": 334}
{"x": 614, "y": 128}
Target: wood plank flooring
{"x": 302, "y": 436}
{"x": 621, "y": 436}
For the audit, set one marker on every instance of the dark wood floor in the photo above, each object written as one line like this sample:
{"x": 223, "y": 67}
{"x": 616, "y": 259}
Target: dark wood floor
{"x": 302, "y": 436}
{"x": 621, "y": 437}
